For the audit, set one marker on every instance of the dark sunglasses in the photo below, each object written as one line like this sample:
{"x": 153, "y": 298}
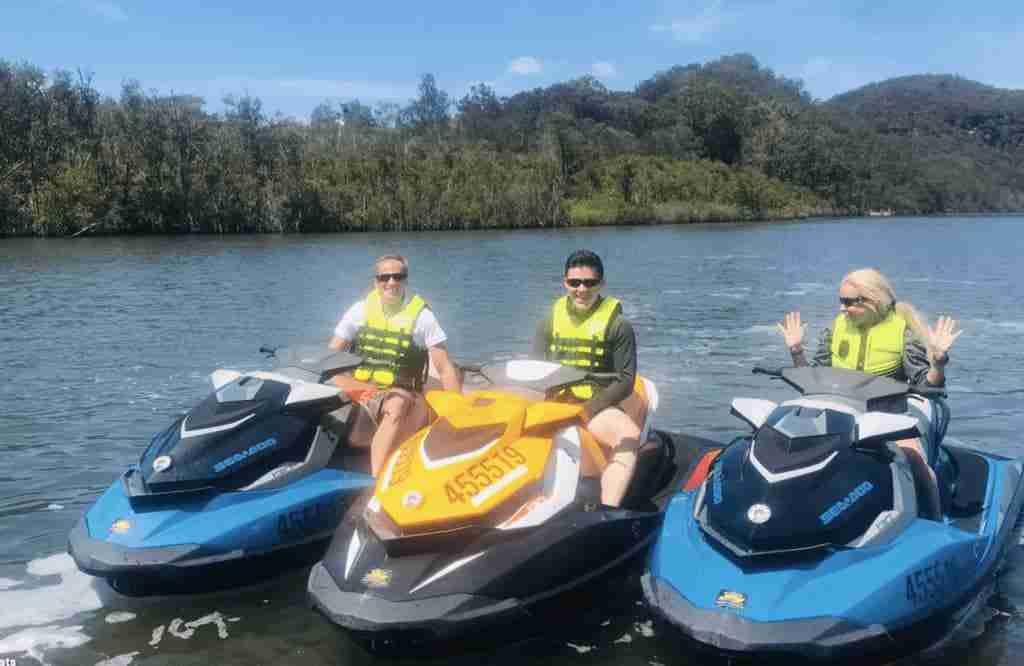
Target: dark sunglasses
{"x": 589, "y": 283}
{"x": 856, "y": 300}
{"x": 397, "y": 277}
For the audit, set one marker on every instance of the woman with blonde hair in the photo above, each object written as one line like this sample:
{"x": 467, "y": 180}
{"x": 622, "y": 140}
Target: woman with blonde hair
{"x": 880, "y": 335}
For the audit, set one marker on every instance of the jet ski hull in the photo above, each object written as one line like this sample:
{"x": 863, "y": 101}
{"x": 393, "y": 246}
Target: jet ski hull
{"x": 207, "y": 540}
{"x": 511, "y": 582}
{"x": 451, "y": 593}
{"x": 891, "y": 599}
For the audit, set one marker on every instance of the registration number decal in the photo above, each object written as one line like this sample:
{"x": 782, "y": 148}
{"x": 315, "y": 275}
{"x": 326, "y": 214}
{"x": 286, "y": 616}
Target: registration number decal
{"x": 490, "y": 469}
{"x": 931, "y": 583}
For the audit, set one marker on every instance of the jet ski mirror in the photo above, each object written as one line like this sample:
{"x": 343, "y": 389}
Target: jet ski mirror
{"x": 878, "y": 427}
{"x": 753, "y": 411}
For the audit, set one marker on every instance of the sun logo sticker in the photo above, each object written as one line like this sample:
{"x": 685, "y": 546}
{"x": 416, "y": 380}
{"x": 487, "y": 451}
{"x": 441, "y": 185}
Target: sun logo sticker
{"x": 731, "y": 599}
{"x": 377, "y": 578}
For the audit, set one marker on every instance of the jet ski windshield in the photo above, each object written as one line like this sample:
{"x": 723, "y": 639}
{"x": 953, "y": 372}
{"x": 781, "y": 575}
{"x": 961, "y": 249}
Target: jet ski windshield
{"x": 243, "y": 390}
{"x": 794, "y": 437}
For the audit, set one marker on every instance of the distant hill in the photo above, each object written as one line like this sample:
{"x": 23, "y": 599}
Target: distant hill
{"x": 939, "y": 104}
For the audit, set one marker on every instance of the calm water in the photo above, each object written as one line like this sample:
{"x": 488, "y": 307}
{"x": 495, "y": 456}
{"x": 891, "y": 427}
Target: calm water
{"x": 103, "y": 341}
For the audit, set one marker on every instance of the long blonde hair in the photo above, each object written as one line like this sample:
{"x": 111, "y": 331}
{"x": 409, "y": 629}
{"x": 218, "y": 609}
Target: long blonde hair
{"x": 872, "y": 285}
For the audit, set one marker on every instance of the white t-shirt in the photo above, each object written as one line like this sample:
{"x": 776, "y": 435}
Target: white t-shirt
{"x": 426, "y": 333}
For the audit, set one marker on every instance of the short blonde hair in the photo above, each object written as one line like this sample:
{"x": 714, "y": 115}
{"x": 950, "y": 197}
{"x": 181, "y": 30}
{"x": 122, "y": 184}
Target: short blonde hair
{"x": 392, "y": 257}
{"x": 876, "y": 288}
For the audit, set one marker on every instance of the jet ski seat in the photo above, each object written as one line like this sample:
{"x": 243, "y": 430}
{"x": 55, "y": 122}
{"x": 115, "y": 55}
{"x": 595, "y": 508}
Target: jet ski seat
{"x": 972, "y": 481}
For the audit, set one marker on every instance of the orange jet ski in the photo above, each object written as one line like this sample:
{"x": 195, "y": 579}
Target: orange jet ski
{"x": 492, "y": 509}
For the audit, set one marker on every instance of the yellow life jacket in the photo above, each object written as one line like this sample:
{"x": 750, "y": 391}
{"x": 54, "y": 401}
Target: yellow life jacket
{"x": 583, "y": 344}
{"x": 385, "y": 342}
{"x": 876, "y": 351}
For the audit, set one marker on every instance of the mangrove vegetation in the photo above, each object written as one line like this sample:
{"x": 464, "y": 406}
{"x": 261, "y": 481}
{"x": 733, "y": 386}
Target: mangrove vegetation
{"x": 725, "y": 140}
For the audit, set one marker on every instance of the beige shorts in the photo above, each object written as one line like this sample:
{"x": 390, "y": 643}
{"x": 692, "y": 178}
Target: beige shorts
{"x": 373, "y": 404}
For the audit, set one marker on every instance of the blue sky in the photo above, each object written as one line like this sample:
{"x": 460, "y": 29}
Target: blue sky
{"x": 294, "y": 55}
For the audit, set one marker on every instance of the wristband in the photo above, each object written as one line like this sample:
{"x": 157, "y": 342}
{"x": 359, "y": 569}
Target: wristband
{"x": 796, "y": 349}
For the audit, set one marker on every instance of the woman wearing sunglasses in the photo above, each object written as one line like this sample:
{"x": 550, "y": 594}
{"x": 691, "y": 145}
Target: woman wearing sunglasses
{"x": 588, "y": 330}
{"x": 398, "y": 337}
{"x": 876, "y": 334}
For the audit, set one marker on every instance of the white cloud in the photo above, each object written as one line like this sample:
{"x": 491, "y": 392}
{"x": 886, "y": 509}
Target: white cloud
{"x": 604, "y": 70}
{"x": 698, "y": 27}
{"x": 825, "y": 78}
{"x": 525, "y": 65}
{"x": 105, "y": 9}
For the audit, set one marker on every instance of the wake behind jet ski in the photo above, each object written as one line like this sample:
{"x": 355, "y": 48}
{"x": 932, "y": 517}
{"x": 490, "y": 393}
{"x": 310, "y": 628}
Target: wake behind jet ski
{"x": 486, "y": 514}
{"x": 806, "y": 539}
{"x": 251, "y": 481}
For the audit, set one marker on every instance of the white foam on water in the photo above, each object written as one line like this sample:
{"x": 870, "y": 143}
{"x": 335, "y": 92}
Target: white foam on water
{"x": 175, "y": 629}
{"x": 624, "y": 638}
{"x": 119, "y": 660}
{"x": 792, "y": 292}
{"x": 54, "y": 507}
{"x": 179, "y": 628}
{"x": 939, "y": 280}
{"x": 645, "y": 629}
{"x": 33, "y": 641}
{"x": 582, "y": 649}
{"x": 75, "y": 593}
{"x": 763, "y": 328}
{"x": 119, "y": 617}
{"x": 8, "y": 583}
{"x": 812, "y": 285}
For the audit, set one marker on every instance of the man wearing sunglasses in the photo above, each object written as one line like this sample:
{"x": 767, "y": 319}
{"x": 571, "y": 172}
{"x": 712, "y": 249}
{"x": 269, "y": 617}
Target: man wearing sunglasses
{"x": 880, "y": 335}
{"x": 587, "y": 330}
{"x": 398, "y": 338}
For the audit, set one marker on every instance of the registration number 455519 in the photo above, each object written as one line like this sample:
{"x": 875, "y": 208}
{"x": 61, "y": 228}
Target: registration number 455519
{"x": 491, "y": 468}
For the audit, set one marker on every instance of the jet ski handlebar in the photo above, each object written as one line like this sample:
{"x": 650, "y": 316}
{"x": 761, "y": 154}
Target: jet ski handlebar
{"x": 771, "y": 372}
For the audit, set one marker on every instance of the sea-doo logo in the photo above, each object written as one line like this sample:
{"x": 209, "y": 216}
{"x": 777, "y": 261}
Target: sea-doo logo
{"x": 162, "y": 463}
{"x": 845, "y": 503}
{"x": 759, "y": 514}
{"x": 412, "y": 499}
{"x": 242, "y": 455}
{"x": 716, "y": 486}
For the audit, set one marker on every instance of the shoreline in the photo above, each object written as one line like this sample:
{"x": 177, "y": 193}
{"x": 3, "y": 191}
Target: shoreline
{"x": 92, "y": 231}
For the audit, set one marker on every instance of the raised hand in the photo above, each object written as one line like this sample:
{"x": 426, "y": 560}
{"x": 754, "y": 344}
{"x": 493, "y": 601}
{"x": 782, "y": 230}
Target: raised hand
{"x": 941, "y": 338}
{"x": 792, "y": 330}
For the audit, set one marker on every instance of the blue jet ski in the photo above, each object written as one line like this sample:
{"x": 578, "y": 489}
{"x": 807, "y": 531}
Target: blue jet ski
{"x": 250, "y": 482}
{"x": 806, "y": 538}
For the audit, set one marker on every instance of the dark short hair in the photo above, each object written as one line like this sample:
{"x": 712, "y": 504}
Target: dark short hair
{"x": 586, "y": 259}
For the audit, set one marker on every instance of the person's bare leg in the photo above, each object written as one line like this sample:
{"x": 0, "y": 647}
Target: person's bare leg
{"x": 617, "y": 431}
{"x": 924, "y": 473}
{"x": 401, "y": 415}
{"x": 635, "y": 408}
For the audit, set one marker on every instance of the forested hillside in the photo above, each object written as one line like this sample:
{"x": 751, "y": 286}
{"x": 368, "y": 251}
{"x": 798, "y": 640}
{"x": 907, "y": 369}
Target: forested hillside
{"x": 725, "y": 140}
